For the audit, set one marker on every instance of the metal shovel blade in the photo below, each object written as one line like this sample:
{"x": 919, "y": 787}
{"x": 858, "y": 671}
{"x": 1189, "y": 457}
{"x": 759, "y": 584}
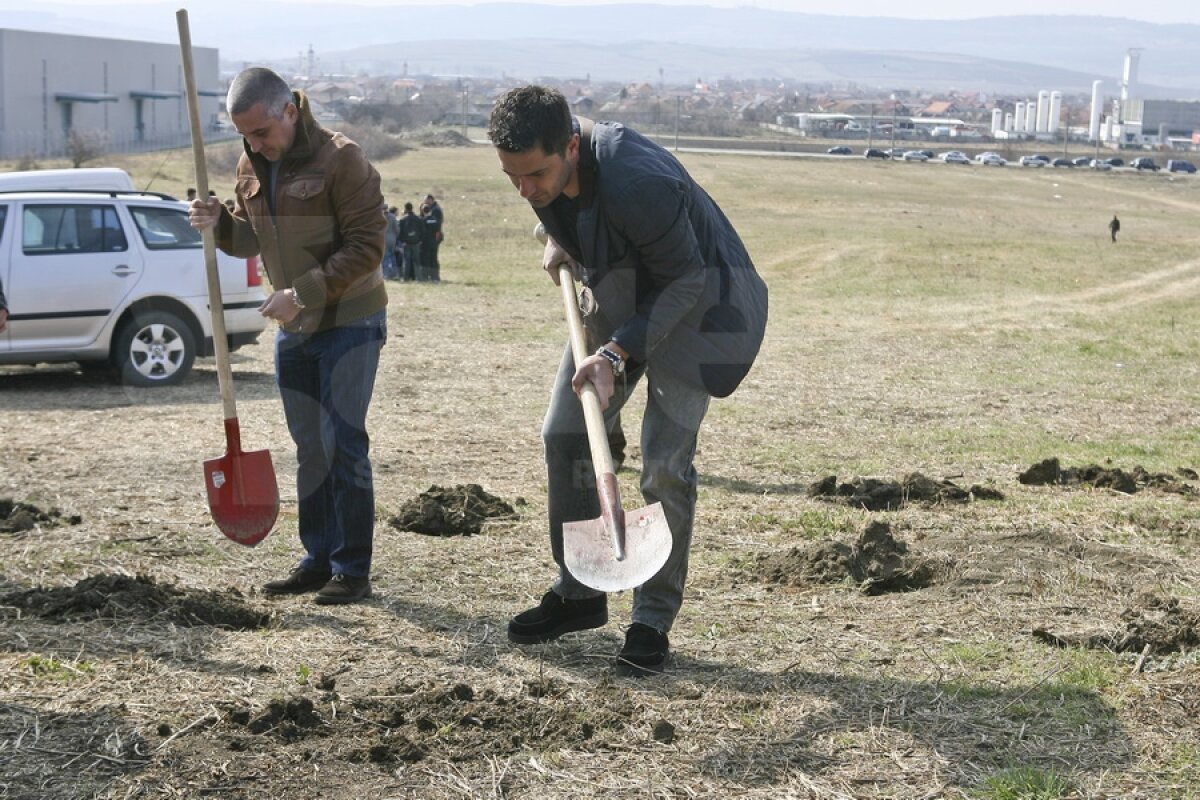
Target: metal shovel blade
{"x": 242, "y": 495}
{"x": 588, "y": 550}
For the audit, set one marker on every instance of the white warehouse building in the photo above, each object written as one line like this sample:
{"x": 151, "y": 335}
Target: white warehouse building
{"x": 127, "y": 95}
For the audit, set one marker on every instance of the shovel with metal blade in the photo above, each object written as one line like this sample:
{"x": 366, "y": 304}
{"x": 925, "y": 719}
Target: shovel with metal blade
{"x": 243, "y": 494}
{"x": 620, "y": 549}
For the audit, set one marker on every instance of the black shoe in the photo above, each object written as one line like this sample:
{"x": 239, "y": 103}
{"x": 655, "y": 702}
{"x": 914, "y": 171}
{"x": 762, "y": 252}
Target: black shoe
{"x": 343, "y": 589}
{"x": 298, "y": 582}
{"x": 555, "y": 616}
{"x": 645, "y": 652}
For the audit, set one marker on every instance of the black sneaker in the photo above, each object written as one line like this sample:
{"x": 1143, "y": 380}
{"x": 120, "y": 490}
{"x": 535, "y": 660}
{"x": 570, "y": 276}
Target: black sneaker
{"x": 298, "y": 582}
{"x": 343, "y": 589}
{"x": 645, "y": 652}
{"x": 556, "y": 615}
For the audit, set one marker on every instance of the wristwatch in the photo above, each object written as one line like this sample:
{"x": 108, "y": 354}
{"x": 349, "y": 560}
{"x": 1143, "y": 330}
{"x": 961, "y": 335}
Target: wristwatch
{"x": 614, "y": 359}
{"x": 295, "y": 298}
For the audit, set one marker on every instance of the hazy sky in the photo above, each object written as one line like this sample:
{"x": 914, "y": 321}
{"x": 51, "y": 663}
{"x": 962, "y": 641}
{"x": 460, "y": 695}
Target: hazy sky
{"x": 1162, "y": 11}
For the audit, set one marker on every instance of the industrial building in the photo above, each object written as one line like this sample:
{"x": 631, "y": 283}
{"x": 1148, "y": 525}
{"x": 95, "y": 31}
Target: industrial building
{"x": 127, "y": 95}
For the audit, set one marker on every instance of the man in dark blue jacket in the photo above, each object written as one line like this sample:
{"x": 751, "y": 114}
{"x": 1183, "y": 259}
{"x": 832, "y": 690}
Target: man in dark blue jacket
{"x": 670, "y": 294}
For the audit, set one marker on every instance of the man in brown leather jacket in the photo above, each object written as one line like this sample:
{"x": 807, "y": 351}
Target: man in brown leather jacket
{"x": 309, "y": 202}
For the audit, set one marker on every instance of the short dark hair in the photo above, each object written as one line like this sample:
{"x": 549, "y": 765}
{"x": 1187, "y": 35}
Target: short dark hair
{"x": 258, "y": 85}
{"x": 408, "y": 206}
{"x": 531, "y": 116}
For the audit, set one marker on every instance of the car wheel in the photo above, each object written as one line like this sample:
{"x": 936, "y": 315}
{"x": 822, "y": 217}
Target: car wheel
{"x": 154, "y": 348}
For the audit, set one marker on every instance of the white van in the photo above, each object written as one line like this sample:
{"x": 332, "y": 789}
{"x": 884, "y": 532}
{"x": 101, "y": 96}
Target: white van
{"x": 113, "y": 278}
{"x": 108, "y": 179}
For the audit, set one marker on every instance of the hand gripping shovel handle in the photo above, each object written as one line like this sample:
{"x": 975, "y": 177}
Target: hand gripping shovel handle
{"x": 602, "y": 463}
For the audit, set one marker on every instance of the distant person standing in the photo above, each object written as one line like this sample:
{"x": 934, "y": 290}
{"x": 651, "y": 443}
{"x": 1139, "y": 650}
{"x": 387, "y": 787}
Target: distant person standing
{"x": 191, "y": 193}
{"x": 1114, "y": 227}
{"x": 429, "y": 243}
{"x": 435, "y": 211}
{"x": 412, "y": 231}
{"x": 391, "y": 269}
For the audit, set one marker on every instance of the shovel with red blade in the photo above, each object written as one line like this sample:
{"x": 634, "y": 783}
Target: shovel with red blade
{"x": 243, "y": 495}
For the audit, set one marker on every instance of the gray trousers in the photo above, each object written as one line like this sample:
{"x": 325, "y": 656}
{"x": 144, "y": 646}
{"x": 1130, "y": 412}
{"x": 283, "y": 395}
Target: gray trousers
{"x": 674, "y": 411}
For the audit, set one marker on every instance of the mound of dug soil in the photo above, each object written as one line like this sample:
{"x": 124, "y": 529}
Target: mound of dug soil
{"x": 444, "y": 139}
{"x": 1051, "y": 473}
{"x": 126, "y": 599}
{"x": 16, "y": 517}
{"x": 873, "y": 494}
{"x": 460, "y": 511}
{"x": 878, "y": 563}
{"x": 1155, "y": 622}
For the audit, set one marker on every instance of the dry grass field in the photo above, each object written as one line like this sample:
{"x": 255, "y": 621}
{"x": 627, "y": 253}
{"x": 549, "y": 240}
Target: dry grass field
{"x": 964, "y": 323}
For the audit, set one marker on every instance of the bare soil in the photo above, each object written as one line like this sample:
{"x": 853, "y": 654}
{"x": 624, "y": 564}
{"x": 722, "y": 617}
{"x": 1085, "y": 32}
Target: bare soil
{"x": 912, "y": 630}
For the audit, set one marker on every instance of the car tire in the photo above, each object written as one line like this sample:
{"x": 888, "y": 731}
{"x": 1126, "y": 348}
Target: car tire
{"x": 154, "y": 348}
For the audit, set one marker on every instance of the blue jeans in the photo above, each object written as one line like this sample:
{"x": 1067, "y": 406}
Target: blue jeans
{"x": 674, "y": 411}
{"x": 326, "y": 380}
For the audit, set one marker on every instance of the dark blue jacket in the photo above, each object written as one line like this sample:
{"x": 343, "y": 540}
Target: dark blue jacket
{"x": 671, "y": 280}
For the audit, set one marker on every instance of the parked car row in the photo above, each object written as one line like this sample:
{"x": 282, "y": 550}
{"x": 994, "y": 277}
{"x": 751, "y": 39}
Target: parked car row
{"x": 1034, "y": 160}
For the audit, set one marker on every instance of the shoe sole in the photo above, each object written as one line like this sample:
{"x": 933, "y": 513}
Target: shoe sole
{"x": 326, "y": 600}
{"x": 578, "y": 624}
{"x": 304, "y": 590}
{"x": 628, "y": 669}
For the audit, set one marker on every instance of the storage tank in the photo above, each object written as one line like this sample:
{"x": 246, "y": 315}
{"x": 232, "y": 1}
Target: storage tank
{"x": 1052, "y": 122}
{"x": 1019, "y": 117}
{"x": 997, "y": 120}
{"x": 1030, "y": 116}
{"x": 1129, "y": 77}
{"x": 1041, "y": 124}
{"x": 1097, "y": 108}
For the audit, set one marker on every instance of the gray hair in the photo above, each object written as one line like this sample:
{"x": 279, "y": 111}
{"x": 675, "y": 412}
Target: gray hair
{"x": 258, "y": 85}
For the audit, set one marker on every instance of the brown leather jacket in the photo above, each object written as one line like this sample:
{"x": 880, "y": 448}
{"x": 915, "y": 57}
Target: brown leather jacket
{"x": 326, "y": 238}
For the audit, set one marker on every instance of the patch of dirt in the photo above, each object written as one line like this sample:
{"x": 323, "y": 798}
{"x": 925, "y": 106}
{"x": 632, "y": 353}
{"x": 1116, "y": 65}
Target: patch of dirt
{"x": 444, "y": 139}
{"x": 17, "y": 517}
{"x": 1051, "y": 473}
{"x": 408, "y": 723}
{"x": 1156, "y": 622}
{"x": 460, "y": 511}
{"x": 122, "y": 598}
{"x": 878, "y": 563}
{"x": 874, "y": 494}
{"x": 461, "y": 723}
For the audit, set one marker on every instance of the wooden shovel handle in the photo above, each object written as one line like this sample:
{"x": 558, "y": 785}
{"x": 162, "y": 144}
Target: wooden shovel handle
{"x": 215, "y": 303}
{"x": 593, "y": 415}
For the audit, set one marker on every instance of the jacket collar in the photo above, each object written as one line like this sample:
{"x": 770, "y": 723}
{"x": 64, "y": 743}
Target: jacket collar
{"x": 586, "y": 167}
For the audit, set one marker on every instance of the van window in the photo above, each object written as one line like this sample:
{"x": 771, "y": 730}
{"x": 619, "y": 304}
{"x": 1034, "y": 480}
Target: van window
{"x": 58, "y": 229}
{"x": 3, "y": 216}
{"x": 165, "y": 228}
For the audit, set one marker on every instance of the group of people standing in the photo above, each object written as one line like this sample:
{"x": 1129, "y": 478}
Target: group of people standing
{"x": 411, "y": 247}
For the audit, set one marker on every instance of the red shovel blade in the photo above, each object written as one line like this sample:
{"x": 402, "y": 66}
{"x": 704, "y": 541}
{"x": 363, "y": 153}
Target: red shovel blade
{"x": 243, "y": 496}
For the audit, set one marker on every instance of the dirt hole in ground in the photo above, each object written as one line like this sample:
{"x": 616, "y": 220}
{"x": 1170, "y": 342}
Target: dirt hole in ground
{"x": 874, "y": 494}
{"x": 460, "y": 723}
{"x": 17, "y": 517}
{"x": 458, "y": 511}
{"x": 1153, "y": 621}
{"x": 877, "y": 563}
{"x": 124, "y": 598}
{"x": 1051, "y": 473}
{"x": 457, "y": 722}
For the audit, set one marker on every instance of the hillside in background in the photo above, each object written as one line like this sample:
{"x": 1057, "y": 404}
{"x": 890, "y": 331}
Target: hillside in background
{"x": 646, "y": 42}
